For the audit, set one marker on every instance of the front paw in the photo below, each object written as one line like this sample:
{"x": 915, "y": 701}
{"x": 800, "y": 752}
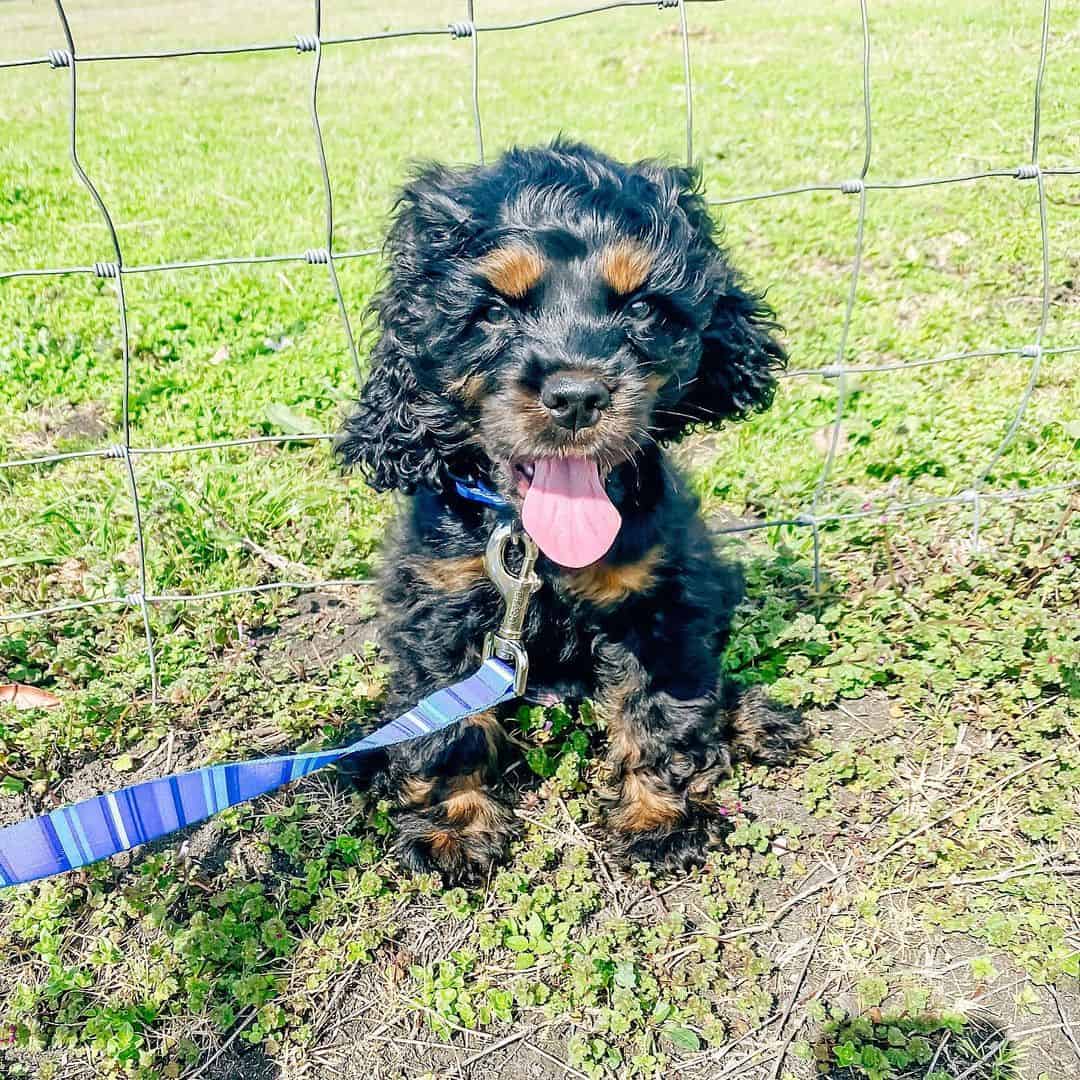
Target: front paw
{"x": 681, "y": 845}
{"x": 459, "y": 852}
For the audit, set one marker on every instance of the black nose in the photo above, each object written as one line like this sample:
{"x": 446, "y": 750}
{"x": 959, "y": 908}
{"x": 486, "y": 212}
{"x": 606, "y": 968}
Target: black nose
{"x": 574, "y": 401}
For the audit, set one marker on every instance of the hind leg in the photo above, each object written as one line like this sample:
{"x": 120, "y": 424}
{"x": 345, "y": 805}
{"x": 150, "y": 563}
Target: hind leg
{"x": 763, "y": 731}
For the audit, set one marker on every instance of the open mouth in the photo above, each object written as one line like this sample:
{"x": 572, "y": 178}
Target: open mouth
{"x": 566, "y": 509}
{"x": 523, "y": 474}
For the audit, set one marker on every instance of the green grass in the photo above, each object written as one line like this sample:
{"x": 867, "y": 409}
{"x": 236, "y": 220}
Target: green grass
{"x": 942, "y": 681}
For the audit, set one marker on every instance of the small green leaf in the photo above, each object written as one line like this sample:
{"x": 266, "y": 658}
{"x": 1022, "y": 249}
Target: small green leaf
{"x": 541, "y": 762}
{"x": 846, "y": 1054}
{"x": 683, "y": 1037}
{"x": 289, "y": 420}
{"x": 30, "y": 559}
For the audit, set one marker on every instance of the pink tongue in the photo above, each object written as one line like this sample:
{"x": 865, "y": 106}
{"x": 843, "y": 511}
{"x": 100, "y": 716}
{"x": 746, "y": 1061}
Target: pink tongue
{"x": 567, "y": 511}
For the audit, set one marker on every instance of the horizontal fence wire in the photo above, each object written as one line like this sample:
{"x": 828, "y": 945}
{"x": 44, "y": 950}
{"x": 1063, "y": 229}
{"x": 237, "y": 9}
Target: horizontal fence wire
{"x": 115, "y": 269}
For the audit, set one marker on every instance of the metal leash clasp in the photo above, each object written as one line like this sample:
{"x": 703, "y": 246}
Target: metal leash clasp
{"x": 516, "y": 590}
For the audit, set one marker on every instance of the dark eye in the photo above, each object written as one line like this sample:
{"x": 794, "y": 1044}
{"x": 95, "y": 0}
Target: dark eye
{"x": 497, "y": 315}
{"x": 639, "y": 309}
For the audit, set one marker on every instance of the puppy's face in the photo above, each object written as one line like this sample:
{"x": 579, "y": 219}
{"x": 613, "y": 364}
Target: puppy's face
{"x": 571, "y": 339}
{"x": 548, "y": 317}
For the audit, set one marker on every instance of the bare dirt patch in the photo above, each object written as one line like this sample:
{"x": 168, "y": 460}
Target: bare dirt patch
{"x": 320, "y": 628}
{"x": 57, "y": 427}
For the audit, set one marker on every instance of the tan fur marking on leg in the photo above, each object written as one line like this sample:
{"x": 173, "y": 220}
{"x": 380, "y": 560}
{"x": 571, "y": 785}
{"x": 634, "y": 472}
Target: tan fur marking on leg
{"x": 493, "y": 734}
{"x": 644, "y": 805}
{"x": 457, "y": 574}
{"x": 444, "y": 843}
{"x": 416, "y": 791}
{"x": 467, "y": 808}
{"x": 623, "y": 752}
{"x": 467, "y": 802}
{"x": 641, "y": 803}
{"x": 606, "y": 585}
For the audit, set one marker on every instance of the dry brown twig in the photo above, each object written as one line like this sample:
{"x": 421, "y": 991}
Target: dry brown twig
{"x": 1066, "y": 1024}
{"x": 510, "y": 1040}
{"x": 601, "y": 860}
{"x": 1040, "y": 866}
{"x": 201, "y": 1070}
{"x": 797, "y": 987}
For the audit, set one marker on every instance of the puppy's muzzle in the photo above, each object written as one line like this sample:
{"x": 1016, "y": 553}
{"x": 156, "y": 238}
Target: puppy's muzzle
{"x": 574, "y": 400}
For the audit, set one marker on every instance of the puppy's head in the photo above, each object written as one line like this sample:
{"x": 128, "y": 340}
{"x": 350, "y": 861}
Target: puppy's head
{"x": 547, "y": 317}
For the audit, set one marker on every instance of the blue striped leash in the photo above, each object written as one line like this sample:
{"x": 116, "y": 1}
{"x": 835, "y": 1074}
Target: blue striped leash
{"x": 105, "y": 825}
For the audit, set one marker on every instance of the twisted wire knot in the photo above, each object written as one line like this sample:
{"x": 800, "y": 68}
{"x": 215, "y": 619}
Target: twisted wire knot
{"x": 317, "y": 255}
{"x": 1026, "y": 172}
{"x": 106, "y": 269}
{"x": 461, "y": 29}
{"x": 59, "y": 58}
{"x": 1031, "y": 351}
{"x": 134, "y": 598}
{"x": 306, "y": 43}
{"x": 832, "y": 371}
{"x": 117, "y": 450}
{"x": 661, "y": 4}
{"x": 805, "y": 519}
{"x": 852, "y": 187}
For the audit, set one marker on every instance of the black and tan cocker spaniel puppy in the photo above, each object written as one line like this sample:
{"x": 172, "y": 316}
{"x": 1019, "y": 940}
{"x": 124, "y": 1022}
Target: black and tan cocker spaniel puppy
{"x": 550, "y": 322}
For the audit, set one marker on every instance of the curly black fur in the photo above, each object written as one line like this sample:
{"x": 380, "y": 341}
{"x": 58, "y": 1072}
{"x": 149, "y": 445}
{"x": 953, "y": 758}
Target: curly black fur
{"x": 453, "y": 390}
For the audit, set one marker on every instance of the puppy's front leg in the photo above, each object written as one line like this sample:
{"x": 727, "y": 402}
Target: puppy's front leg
{"x": 450, "y": 821}
{"x": 666, "y": 752}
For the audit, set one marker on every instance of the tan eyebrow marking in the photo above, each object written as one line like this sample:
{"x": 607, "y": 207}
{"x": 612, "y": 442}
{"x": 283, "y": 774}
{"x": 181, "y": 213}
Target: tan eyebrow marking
{"x": 625, "y": 265}
{"x": 512, "y": 270}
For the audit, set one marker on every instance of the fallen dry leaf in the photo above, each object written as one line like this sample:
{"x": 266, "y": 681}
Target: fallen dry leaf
{"x": 27, "y": 697}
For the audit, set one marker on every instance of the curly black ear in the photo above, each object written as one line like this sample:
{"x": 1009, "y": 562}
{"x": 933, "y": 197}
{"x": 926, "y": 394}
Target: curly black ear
{"x": 403, "y": 431}
{"x": 740, "y": 359}
{"x": 740, "y": 353}
{"x": 390, "y": 436}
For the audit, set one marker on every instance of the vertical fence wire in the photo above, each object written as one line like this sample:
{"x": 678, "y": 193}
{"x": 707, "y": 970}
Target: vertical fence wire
{"x": 474, "y": 42}
{"x": 315, "y": 255}
{"x": 688, "y": 83}
{"x": 850, "y": 187}
{"x": 115, "y": 271}
{"x": 813, "y": 517}
{"x": 1031, "y": 172}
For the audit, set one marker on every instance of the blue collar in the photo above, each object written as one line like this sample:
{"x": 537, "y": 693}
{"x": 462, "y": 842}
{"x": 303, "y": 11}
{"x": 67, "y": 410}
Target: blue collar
{"x": 478, "y": 492}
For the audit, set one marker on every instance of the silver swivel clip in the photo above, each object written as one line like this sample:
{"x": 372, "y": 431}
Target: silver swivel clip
{"x": 516, "y": 590}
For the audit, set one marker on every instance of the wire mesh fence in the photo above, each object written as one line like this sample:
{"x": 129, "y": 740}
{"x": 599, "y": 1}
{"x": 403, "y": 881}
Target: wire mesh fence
{"x": 469, "y": 31}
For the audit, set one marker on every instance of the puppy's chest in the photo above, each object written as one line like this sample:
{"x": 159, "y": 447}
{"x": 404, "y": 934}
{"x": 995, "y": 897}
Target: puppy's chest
{"x": 574, "y": 606}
